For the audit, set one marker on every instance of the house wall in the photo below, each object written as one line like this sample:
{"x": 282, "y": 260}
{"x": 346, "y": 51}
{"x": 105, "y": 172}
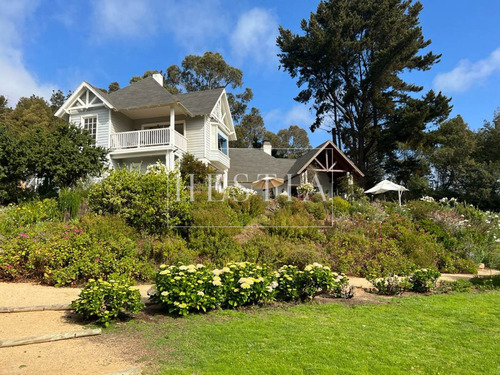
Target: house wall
{"x": 120, "y": 123}
{"x": 103, "y": 124}
{"x": 196, "y": 137}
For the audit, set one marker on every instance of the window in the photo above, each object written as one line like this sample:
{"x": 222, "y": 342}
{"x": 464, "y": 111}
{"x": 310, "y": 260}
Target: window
{"x": 90, "y": 124}
{"x": 222, "y": 144}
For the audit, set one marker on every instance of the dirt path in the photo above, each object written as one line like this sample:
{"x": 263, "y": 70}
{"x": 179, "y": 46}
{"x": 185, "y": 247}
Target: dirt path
{"x": 86, "y": 355}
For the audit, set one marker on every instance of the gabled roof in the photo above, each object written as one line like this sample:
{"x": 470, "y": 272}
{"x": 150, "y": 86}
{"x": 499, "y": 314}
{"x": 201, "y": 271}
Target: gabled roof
{"x": 149, "y": 93}
{"x": 200, "y": 102}
{"x": 84, "y": 85}
{"x": 305, "y": 160}
{"x": 144, "y": 93}
{"x": 254, "y": 161}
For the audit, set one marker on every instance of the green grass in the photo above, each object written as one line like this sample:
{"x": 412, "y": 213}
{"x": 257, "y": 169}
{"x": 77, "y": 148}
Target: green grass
{"x": 440, "y": 334}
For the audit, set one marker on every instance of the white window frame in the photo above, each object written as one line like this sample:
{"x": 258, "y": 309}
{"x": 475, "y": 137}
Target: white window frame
{"x": 82, "y": 123}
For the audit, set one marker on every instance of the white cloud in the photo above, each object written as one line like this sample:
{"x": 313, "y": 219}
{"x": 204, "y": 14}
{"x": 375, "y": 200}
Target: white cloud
{"x": 192, "y": 23}
{"x": 15, "y": 79}
{"x": 123, "y": 18}
{"x": 255, "y": 37}
{"x": 297, "y": 115}
{"x": 467, "y": 74}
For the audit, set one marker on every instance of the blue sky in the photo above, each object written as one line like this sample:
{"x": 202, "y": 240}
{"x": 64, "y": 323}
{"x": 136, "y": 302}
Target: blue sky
{"x": 56, "y": 44}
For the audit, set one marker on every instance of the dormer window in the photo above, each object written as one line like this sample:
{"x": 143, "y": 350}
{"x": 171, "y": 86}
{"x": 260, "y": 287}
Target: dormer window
{"x": 90, "y": 124}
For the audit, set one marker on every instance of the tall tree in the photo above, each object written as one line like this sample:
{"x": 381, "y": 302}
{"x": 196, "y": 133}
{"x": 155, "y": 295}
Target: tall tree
{"x": 205, "y": 72}
{"x": 294, "y": 142}
{"x": 250, "y": 132}
{"x": 350, "y": 59}
{"x": 113, "y": 86}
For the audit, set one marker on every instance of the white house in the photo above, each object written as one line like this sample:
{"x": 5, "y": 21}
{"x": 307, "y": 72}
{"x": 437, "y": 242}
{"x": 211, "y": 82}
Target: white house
{"x": 144, "y": 123}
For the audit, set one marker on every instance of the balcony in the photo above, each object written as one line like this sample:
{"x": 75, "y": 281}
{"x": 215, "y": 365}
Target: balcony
{"x": 219, "y": 159}
{"x": 147, "y": 141}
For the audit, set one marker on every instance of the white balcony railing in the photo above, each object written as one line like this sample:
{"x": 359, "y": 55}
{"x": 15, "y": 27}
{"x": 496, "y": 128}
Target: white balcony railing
{"x": 146, "y": 138}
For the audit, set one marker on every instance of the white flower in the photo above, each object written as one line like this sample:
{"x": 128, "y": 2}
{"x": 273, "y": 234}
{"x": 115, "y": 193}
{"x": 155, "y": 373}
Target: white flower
{"x": 199, "y": 265}
{"x": 200, "y": 293}
{"x": 165, "y": 293}
{"x": 183, "y": 268}
{"x": 216, "y": 272}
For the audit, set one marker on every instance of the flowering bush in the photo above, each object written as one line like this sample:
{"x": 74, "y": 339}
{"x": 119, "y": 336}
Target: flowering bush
{"x": 13, "y": 218}
{"x": 182, "y": 289}
{"x": 59, "y": 254}
{"x": 392, "y": 285}
{"x": 106, "y": 300}
{"x": 305, "y": 189}
{"x": 293, "y": 284}
{"x": 238, "y": 192}
{"x": 424, "y": 280}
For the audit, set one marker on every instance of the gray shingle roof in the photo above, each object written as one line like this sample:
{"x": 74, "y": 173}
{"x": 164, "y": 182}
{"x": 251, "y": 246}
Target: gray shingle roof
{"x": 147, "y": 92}
{"x": 253, "y": 161}
{"x": 143, "y": 93}
{"x": 200, "y": 102}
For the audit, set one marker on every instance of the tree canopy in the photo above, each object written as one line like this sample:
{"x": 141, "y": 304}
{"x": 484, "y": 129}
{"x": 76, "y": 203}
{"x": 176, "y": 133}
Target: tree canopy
{"x": 34, "y": 143}
{"x": 349, "y": 63}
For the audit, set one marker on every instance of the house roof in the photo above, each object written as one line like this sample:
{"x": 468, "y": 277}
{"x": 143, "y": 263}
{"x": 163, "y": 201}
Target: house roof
{"x": 144, "y": 93}
{"x": 253, "y": 161}
{"x": 306, "y": 159}
{"x": 200, "y": 102}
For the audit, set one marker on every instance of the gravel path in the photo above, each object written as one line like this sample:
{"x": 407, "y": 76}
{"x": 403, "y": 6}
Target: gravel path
{"x": 86, "y": 355}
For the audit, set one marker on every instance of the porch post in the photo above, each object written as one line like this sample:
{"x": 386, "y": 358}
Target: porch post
{"x": 172, "y": 125}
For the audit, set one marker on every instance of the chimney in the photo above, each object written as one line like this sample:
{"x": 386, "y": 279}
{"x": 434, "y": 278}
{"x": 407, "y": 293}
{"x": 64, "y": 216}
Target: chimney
{"x": 266, "y": 147}
{"x": 158, "y": 78}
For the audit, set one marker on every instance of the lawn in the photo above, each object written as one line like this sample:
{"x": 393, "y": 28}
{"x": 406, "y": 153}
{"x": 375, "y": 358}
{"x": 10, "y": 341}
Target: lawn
{"x": 440, "y": 334}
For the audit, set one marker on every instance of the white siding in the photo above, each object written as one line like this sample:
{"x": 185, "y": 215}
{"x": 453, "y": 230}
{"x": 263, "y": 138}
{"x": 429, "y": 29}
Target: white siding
{"x": 120, "y": 123}
{"x": 102, "y": 138}
{"x": 196, "y": 139}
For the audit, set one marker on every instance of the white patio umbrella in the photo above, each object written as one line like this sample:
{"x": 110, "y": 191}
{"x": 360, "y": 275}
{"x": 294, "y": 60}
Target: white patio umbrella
{"x": 385, "y": 186}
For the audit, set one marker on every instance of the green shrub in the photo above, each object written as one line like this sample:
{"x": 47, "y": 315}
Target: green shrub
{"x": 13, "y": 219}
{"x": 424, "y": 280}
{"x": 289, "y": 225}
{"x": 148, "y": 201}
{"x": 316, "y": 209}
{"x": 104, "y": 301}
{"x": 182, "y": 289}
{"x": 460, "y": 286}
{"x": 391, "y": 285}
{"x": 340, "y": 206}
{"x": 167, "y": 249}
{"x": 59, "y": 254}
{"x": 293, "y": 284}
{"x": 70, "y": 202}
{"x": 486, "y": 282}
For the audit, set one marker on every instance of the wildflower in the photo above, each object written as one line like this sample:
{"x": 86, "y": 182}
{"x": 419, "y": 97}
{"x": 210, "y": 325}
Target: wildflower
{"x": 245, "y": 286}
{"x": 183, "y": 268}
{"x": 165, "y": 293}
{"x": 177, "y": 278}
{"x": 216, "y": 272}
{"x": 199, "y": 265}
{"x": 164, "y": 272}
{"x": 163, "y": 266}
{"x": 216, "y": 281}
{"x": 226, "y": 269}
{"x": 200, "y": 293}
{"x": 182, "y": 305}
